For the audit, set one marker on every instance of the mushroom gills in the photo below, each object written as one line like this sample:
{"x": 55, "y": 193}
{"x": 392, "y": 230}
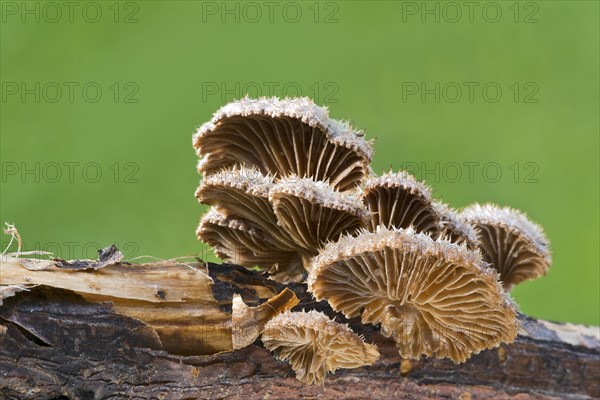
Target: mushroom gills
{"x": 312, "y": 213}
{"x": 271, "y": 135}
{"x": 242, "y": 193}
{"x": 398, "y": 200}
{"x": 246, "y": 245}
{"x": 314, "y": 345}
{"x": 434, "y": 297}
{"x": 515, "y": 246}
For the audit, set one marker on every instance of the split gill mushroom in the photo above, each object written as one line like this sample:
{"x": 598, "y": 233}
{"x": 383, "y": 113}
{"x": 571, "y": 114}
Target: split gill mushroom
{"x": 245, "y": 244}
{"x": 314, "y": 345}
{"x": 312, "y": 213}
{"x": 434, "y": 297}
{"x": 515, "y": 246}
{"x": 282, "y": 137}
{"x": 398, "y": 200}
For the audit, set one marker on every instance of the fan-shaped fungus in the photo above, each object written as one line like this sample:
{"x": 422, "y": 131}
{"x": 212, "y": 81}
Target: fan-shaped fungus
{"x": 314, "y": 345}
{"x": 399, "y": 200}
{"x": 515, "y": 246}
{"x": 312, "y": 213}
{"x": 434, "y": 297}
{"x": 282, "y": 137}
{"x": 242, "y": 243}
{"x": 455, "y": 229}
{"x": 243, "y": 193}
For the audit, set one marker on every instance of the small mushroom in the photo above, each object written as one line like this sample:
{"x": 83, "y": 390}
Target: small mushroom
{"x": 314, "y": 345}
{"x": 246, "y": 245}
{"x": 515, "y": 246}
{"x": 455, "y": 229}
{"x": 312, "y": 213}
{"x": 434, "y": 297}
{"x": 398, "y": 200}
{"x": 243, "y": 193}
{"x": 282, "y": 137}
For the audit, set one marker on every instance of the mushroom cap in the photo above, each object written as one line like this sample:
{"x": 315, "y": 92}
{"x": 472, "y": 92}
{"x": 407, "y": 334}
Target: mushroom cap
{"x": 398, "y": 200}
{"x": 312, "y": 213}
{"x": 436, "y": 298}
{"x": 243, "y": 193}
{"x": 246, "y": 245}
{"x": 314, "y": 345}
{"x": 454, "y": 228}
{"x": 281, "y": 137}
{"x": 514, "y": 245}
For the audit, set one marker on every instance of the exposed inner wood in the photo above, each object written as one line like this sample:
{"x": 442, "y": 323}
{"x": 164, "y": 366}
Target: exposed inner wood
{"x": 155, "y": 283}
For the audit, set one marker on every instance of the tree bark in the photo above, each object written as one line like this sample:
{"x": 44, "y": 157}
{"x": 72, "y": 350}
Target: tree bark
{"x": 63, "y": 339}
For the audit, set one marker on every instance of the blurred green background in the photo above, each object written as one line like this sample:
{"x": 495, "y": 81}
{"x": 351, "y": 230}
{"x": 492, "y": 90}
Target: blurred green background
{"x": 100, "y": 100}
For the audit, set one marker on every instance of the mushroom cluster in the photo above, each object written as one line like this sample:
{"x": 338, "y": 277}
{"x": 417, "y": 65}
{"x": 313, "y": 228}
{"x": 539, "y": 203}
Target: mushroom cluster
{"x": 292, "y": 193}
{"x": 282, "y": 179}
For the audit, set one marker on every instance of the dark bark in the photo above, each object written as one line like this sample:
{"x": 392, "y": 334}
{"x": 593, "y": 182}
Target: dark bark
{"x": 54, "y": 343}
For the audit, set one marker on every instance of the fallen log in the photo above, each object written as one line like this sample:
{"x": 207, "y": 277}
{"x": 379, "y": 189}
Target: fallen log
{"x": 71, "y": 338}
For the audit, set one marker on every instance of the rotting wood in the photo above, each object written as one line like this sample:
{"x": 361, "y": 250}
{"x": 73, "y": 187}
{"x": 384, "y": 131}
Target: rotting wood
{"x": 54, "y": 342}
{"x": 188, "y": 309}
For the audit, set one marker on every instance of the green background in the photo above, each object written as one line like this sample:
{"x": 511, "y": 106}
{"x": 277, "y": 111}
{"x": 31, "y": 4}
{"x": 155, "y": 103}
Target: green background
{"x": 358, "y": 58}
